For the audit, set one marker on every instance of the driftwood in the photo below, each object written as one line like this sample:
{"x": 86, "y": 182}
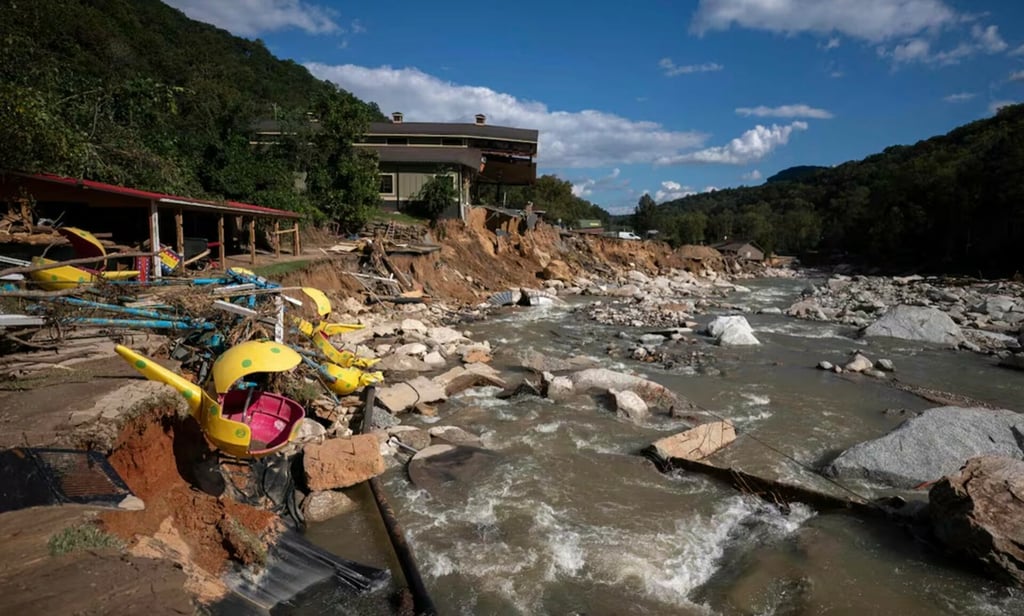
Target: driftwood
{"x": 938, "y": 396}
{"x": 26, "y": 269}
{"x": 771, "y": 490}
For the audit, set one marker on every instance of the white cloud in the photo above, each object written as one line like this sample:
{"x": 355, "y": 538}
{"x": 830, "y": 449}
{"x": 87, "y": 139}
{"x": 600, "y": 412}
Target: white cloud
{"x": 672, "y": 69}
{"x": 753, "y": 176}
{"x": 708, "y": 189}
{"x": 959, "y": 97}
{"x": 1018, "y": 52}
{"x": 871, "y": 20}
{"x": 586, "y": 187}
{"x": 836, "y": 74}
{"x": 749, "y": 147}
{"x": 785, "y": 111}
{"x": 995, "y": 106}
{"x": 578, "y": 139}
{"x": 252, "y": 17}
{"x": 988, "y": 39}
{"x": 1016, "y": 76}
{"x": 670, "y": 191}
{"x": 832, "y": 43}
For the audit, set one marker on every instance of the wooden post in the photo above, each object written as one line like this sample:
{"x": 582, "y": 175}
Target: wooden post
{"x": 179, "y": 225}
{"x": 252, "y": 240}
{"x": 154, "y": 237}
{"x": 277, "y": 239}
{"x": 221, "y": 250}
{"x": 296, "y": 248}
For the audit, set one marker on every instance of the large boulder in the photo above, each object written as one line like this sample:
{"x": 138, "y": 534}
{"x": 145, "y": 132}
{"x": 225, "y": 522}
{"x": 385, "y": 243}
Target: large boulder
{"x": 342, "y": 462}
{"x": 602, "y": 380}
{"x": 932, "y": 445}
{"x": 326, "y": 504}
{"x": 979, "y": 512}
{"x": 630, "y": 405}
{"x": 732, "y": 331}
{"x": 403, "y": 363}
{"x": 696, "y": 443}
{"x": 557, "y": 270}
{"x": 461, "y": 378}
{"x": 917, "y": 323}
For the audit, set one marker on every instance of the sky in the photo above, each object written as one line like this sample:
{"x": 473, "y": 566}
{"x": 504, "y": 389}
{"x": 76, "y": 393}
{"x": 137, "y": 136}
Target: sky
{"x": 666, "y": 97}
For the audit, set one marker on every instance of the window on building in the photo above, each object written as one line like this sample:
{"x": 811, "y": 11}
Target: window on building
{"x": 452, "y": 141}
{"x": 387, "y": 183}
{"x": 398, "y": 141}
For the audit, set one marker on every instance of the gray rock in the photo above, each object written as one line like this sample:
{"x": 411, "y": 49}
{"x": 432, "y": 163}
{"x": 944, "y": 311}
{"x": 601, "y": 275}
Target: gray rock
{"x": 403, "y": 396}
{"x": 434, "y": 359}
{"x": 652, "y": 339}
{"x": 629, "y": 405}
{"x": 558, "y": 387}
{"x": 878, "y": 374}
{"x": 455, "y": 435}
{"x": 326, "y": 504}
{"x": 996, "y": 305}
{"x": 770, "y": 310}
{"x": 413, "y": 325}
{"x": 444, "y": 335}
{"x": 825, "y": 365}
{"x": 859, "y": 363}
{"x": 411, "y": 436}
{"x": 403, "y": 363}
{"x": 929, "y": 446}
{"x": 917, "y": 323}
{"x": 413, "y": 348}
{"x": 885, "y": 364}
{"x": 601, "y": 380}
{"x": 732, "y": 331}
{"x": 381, "y": 419}
{"x": 978, "y": 512}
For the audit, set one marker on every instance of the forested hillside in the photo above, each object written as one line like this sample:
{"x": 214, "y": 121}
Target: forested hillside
{"x": 133, "y": 92}
{"x": 953, "y": 203}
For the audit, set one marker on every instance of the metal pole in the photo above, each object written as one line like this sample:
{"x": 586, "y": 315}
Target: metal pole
{"x": 154, "y": 237}
{"x": 406, "y": 559}
{"x": 221, "y": 249}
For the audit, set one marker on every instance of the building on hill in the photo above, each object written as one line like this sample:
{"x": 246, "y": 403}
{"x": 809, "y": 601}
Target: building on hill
{"x": 411, "y": 153}
{"x": 740, "y": 249}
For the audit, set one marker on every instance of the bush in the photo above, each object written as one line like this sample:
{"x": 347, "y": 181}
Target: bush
{"x": 85, "y": 536}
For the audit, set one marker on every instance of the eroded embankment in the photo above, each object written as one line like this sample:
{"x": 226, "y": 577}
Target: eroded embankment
{"x": 154, "y": 454}
{"x": 486, "y": 254}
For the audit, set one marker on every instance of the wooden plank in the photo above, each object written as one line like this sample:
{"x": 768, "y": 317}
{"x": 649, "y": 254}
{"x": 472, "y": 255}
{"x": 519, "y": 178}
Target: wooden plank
{"x": 221, "y": 249}
{"x": 252, "y": 241}
{"x": 296, "y": 246}
{"x": 234, "y": 308}
{"x": 179, "y": 228}
{"x": 154, "y": 237}
{"x": 19, "y": 320}
{"x": 277, "y": 240}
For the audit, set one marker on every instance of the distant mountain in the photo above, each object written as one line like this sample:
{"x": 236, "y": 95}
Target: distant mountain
{"x": 952, "y": 203}
{"x": 795, "y": 174}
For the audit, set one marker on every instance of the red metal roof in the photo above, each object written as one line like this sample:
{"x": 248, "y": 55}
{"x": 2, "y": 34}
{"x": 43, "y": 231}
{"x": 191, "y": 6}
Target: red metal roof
{"x": 164, "y": 199}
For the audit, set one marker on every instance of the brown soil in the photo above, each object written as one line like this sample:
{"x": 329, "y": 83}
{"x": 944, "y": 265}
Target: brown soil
{"x": 85, "y": 582}
{"x": 201, "y": 532}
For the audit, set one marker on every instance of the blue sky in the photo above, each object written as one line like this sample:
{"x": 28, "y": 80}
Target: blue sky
{"x": 662, "y": 96}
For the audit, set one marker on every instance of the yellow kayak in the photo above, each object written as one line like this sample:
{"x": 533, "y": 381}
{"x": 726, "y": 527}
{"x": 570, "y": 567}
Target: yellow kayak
{"x": 69, "y": 277}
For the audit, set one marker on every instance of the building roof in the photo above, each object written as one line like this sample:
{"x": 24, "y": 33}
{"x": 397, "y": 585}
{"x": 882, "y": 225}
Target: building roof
{"x": 469, "y": 157}
{"x": 426, "y": 129}
{"x": 446, "y": 129}
{"x": 145, "y": 196}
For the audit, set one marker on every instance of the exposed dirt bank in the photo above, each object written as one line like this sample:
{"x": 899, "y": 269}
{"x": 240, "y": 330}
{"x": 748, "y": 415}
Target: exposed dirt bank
{"x": 200, "y": 532}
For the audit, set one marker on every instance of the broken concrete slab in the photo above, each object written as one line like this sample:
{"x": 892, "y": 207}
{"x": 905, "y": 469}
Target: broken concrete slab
{"x": 696, "y": 443}
{"x": 342, "y": 462}
{"x": 403, "y": 396}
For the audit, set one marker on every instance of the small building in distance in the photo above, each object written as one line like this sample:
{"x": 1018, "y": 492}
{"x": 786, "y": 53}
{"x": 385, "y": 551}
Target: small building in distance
{"x": 740, "y": 249}
{"x": 411, "y": 153}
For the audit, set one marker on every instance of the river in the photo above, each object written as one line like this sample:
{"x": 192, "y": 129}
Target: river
{"x": 573, "y": 521}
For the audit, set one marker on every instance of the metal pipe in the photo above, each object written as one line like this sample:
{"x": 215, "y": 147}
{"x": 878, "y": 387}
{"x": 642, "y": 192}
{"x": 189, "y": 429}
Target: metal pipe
{"x": 422, "y": 602}
{"x": 135, "y": 312}
{"x": 141, "y": 323}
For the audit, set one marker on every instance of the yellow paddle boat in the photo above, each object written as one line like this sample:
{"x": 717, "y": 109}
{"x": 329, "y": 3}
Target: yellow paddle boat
{"x": 245, "y": 423}
{"x": 85, "y": 245}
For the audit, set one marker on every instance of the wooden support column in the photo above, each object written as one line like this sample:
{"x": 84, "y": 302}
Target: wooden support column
{"x": 179, "y": 226}
{"x": 296, "y": 247}
{"x": 252, "y": 240}
{"x": 221, "y": 249}
{"x": 277, "y": 239}
{"x": 154, "y": 238}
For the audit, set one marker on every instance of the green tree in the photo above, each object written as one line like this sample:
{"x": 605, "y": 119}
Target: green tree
{"x": 645, "y": 216}
{"x": 437, "y": 195}
{"x": 689, "y": 228}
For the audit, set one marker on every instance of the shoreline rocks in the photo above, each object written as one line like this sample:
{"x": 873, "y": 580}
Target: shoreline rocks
{"x": 932, "y": 445}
